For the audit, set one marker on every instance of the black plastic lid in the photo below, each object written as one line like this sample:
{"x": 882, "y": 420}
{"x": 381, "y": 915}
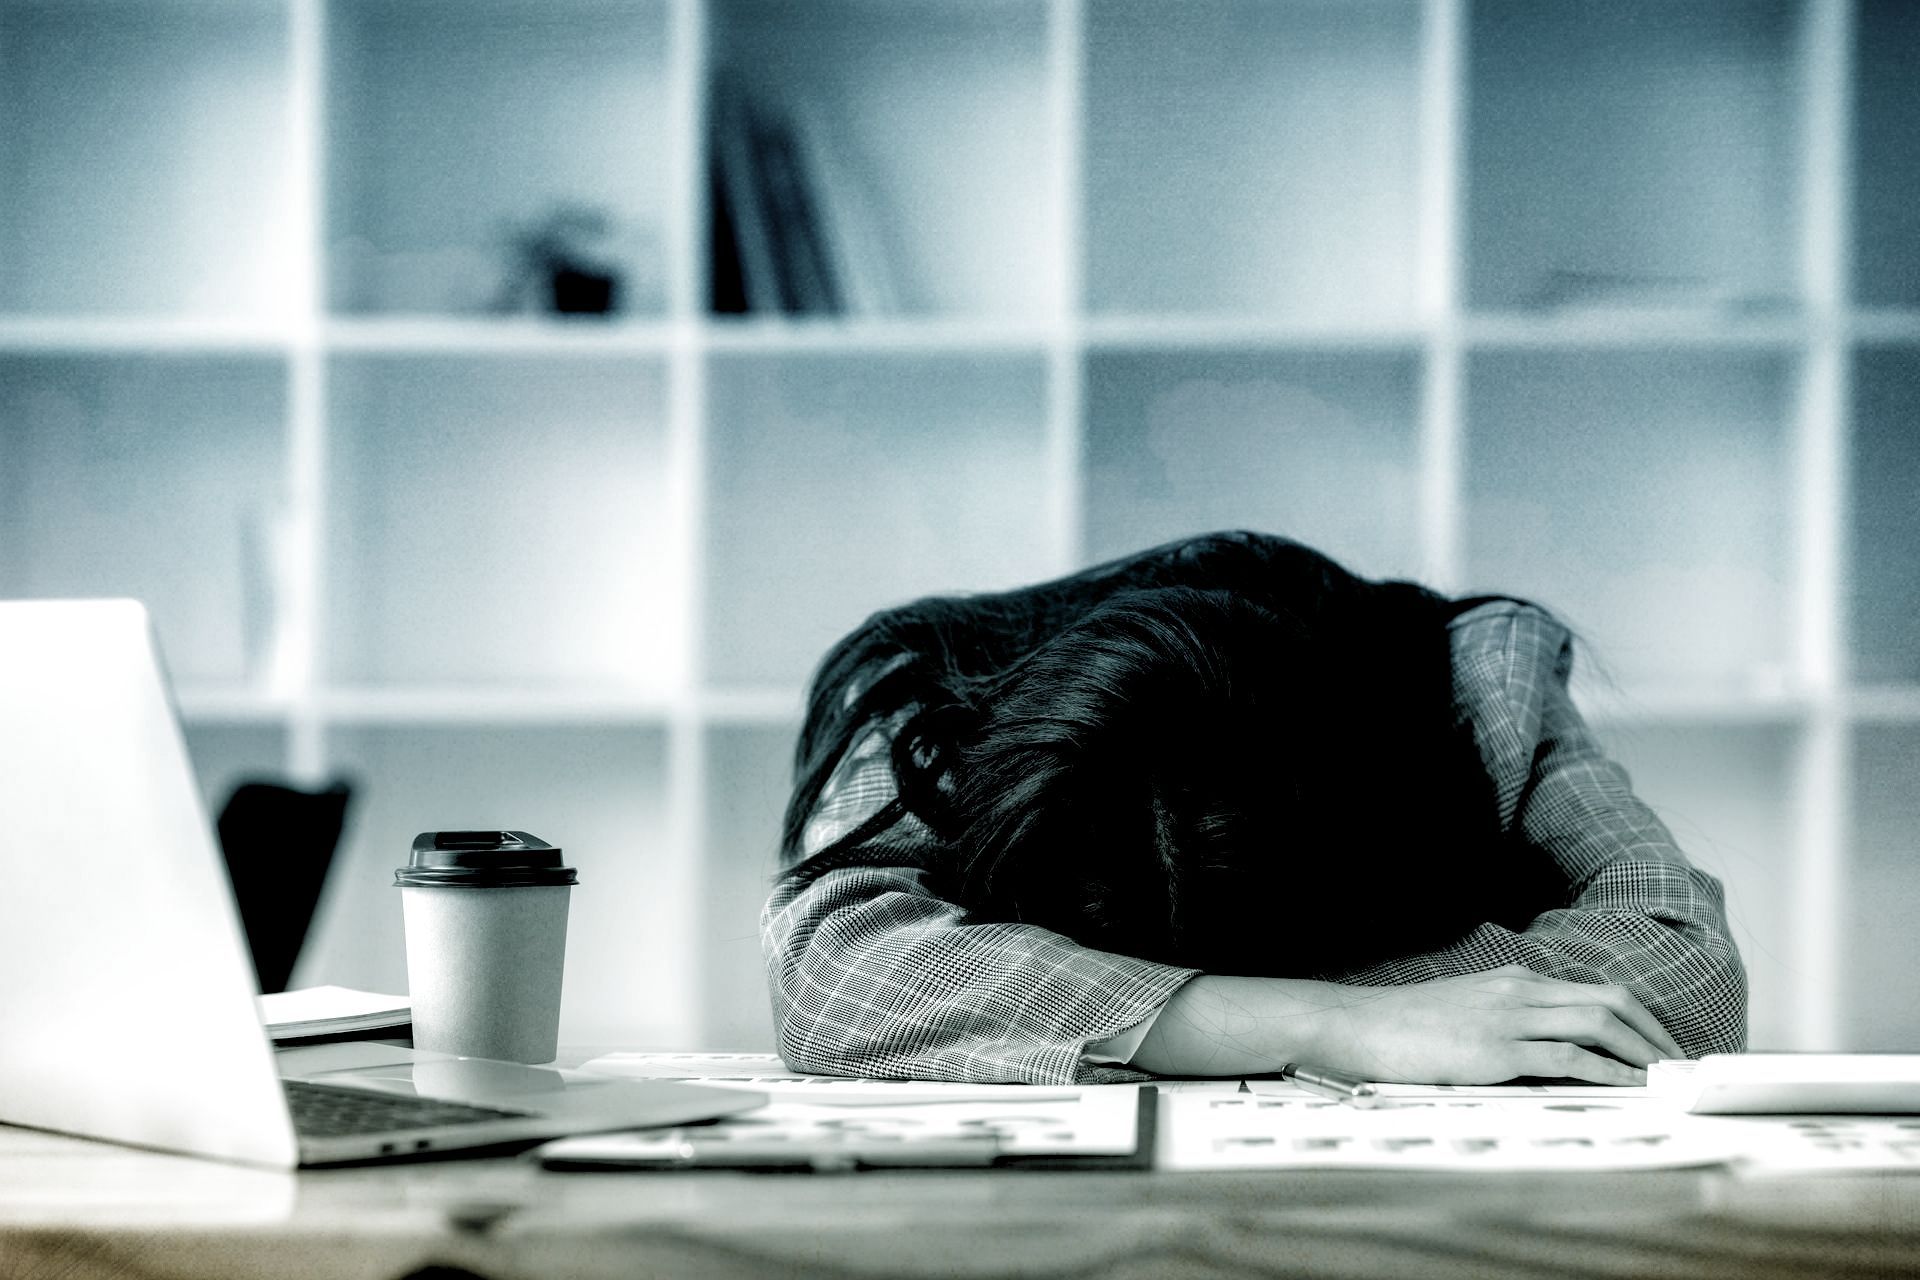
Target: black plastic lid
{"x": 483, "y": 860}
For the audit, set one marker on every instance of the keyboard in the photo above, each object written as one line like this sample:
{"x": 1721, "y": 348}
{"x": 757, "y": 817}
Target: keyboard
{"x": 329, "y": 1111}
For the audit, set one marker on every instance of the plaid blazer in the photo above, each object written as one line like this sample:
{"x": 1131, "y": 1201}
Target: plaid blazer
{"x": 873, "y": 974}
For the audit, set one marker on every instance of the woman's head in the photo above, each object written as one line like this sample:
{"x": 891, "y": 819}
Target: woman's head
{"x": 1129, "y": 779}
{"x": 1200, "y": 755}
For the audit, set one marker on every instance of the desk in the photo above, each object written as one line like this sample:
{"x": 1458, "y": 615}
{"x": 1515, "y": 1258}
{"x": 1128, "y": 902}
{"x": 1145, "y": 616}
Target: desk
{"x": 77, "y": 1210}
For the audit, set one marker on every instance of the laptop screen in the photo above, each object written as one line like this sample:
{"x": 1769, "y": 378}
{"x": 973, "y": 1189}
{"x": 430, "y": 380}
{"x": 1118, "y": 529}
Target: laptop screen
{"x": 127, "y": 1010}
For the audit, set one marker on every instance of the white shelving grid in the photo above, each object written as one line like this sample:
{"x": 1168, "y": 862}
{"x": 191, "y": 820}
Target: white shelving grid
{"x": 1380, "y": 274}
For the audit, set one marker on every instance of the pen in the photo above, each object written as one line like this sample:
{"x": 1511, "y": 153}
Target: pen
{"x": 1337, "y": 1085}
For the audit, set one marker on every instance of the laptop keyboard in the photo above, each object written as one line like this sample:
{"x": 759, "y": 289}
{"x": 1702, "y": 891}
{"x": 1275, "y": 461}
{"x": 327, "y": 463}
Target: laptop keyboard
{"x": 329, "y": 1111}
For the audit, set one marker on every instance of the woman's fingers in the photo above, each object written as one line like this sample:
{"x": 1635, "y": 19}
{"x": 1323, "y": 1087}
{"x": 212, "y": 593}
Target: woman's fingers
{"x": 1590, "y": 1025}
{"x": 1556, "y": 1059}
{"x": 1632, "y": 1012}
{"x": 1541, "y": 991}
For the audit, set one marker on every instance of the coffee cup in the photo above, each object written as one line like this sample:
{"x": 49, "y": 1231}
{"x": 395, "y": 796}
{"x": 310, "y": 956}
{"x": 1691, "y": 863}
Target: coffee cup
{"x": 486, "y": 928}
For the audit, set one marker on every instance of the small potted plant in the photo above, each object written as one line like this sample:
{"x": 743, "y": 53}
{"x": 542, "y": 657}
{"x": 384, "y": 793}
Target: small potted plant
{"x": 555, "y": 255}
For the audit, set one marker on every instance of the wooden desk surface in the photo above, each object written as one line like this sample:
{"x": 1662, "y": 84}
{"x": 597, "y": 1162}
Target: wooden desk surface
{"x": 76, "y": 1210}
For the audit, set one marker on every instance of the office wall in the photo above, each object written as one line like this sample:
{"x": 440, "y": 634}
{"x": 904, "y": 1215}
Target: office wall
{"x": 1615, "y": 306}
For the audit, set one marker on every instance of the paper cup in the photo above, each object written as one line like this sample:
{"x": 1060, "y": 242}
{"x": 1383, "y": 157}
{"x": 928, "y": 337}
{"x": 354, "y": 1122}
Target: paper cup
{"x": 484, "y": 970}
{"x": 486, "y": 928}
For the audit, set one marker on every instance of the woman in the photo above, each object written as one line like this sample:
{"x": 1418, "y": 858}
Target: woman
{"x": 1218, "y": 807}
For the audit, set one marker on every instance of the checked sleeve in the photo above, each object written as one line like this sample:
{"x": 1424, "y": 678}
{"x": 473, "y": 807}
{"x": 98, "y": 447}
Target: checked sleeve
{"x": 1638, "y": 914}
{"x": 873, "y": 974}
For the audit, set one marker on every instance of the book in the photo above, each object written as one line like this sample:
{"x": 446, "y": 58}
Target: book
{"x": 334, "y": 1013}
{"x": 850, "y": 229}
{"x": 795, "y": 230}
{"x": 807, "y": 285}
{"x": 740, "y": 211}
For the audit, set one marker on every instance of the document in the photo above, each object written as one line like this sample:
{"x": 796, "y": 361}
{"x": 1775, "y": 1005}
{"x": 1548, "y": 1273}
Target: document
{"x": 311, "y": 1012}
{"x": 1539, "y": 1092}
{"x": 1824, "y": 1144}
{"x": 830, "y": 1122}
{"x": 1107, "y": 1123}
{"x": 1271, "y": 1129}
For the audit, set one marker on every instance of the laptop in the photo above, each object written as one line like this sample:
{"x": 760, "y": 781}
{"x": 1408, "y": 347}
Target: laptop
{"x": 126, "y": 990}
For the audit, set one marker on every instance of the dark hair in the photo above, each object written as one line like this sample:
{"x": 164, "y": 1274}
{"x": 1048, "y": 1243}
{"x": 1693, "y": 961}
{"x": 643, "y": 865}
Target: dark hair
{"x": 1218, "y": 753}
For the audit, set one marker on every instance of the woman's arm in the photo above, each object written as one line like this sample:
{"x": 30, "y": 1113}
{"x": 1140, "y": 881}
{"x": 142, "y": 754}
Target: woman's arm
{"x": 872, "y": 974}
{"x": 1639, "y": 963}
{"x": 1639, "y": 916}
{"x": 1474, "y": 1029}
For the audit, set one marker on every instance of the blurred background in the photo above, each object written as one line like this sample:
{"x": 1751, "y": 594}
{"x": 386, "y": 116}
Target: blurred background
{"x": 502, "y": 403}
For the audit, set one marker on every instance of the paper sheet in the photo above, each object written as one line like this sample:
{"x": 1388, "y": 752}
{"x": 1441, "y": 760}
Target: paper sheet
{"x": 1271, "y": 1130}
{"x": 1539, "y": 1092}
{"x": 1820, "y": 1144}
{"x": 313, "y": 1009}
{"x": 1098, "y": 1121}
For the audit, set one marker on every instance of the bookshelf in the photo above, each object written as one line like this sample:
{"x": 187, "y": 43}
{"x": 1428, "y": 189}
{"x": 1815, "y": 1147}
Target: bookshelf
{"x": 1614, "y": 305}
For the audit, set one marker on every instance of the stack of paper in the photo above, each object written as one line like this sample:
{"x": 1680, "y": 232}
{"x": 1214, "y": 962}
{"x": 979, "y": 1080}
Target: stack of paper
{"x": 333, "y": 1012}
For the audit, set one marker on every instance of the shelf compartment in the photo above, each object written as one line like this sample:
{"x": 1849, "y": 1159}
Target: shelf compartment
{"x": 1726, "y": 795}
{"x": 842, "y": 484}
{"x": 1632, "y": 157}
{"x": 929, "y": 133}
{"x": 1884, "y": 575}
{"x": 502, "y": 521}
{"x": 453, "y": 128}
{"x": 1881, "y": 895}
{"x": 143, "y": 158}
{"x": 1646, "y": 496}
{"x": 1252, "y": 158}
{"x": 749, "y": 774}
{"x": 599, "y": 793}
{"x": 1886, "y": 159}
{"x": 1318, "y": 446}
{"x": 158, "y": 478}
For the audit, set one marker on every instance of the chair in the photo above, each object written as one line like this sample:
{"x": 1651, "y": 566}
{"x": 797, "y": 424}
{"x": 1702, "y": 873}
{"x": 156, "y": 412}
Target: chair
{"x": 279, "y": 841}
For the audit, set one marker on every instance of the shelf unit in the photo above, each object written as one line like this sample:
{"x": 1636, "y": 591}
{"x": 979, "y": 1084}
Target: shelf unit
{"x": 1275, "y": 263}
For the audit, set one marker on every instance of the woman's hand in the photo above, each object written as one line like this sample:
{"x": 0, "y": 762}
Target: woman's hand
{"x": 1481, "y": 1028}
